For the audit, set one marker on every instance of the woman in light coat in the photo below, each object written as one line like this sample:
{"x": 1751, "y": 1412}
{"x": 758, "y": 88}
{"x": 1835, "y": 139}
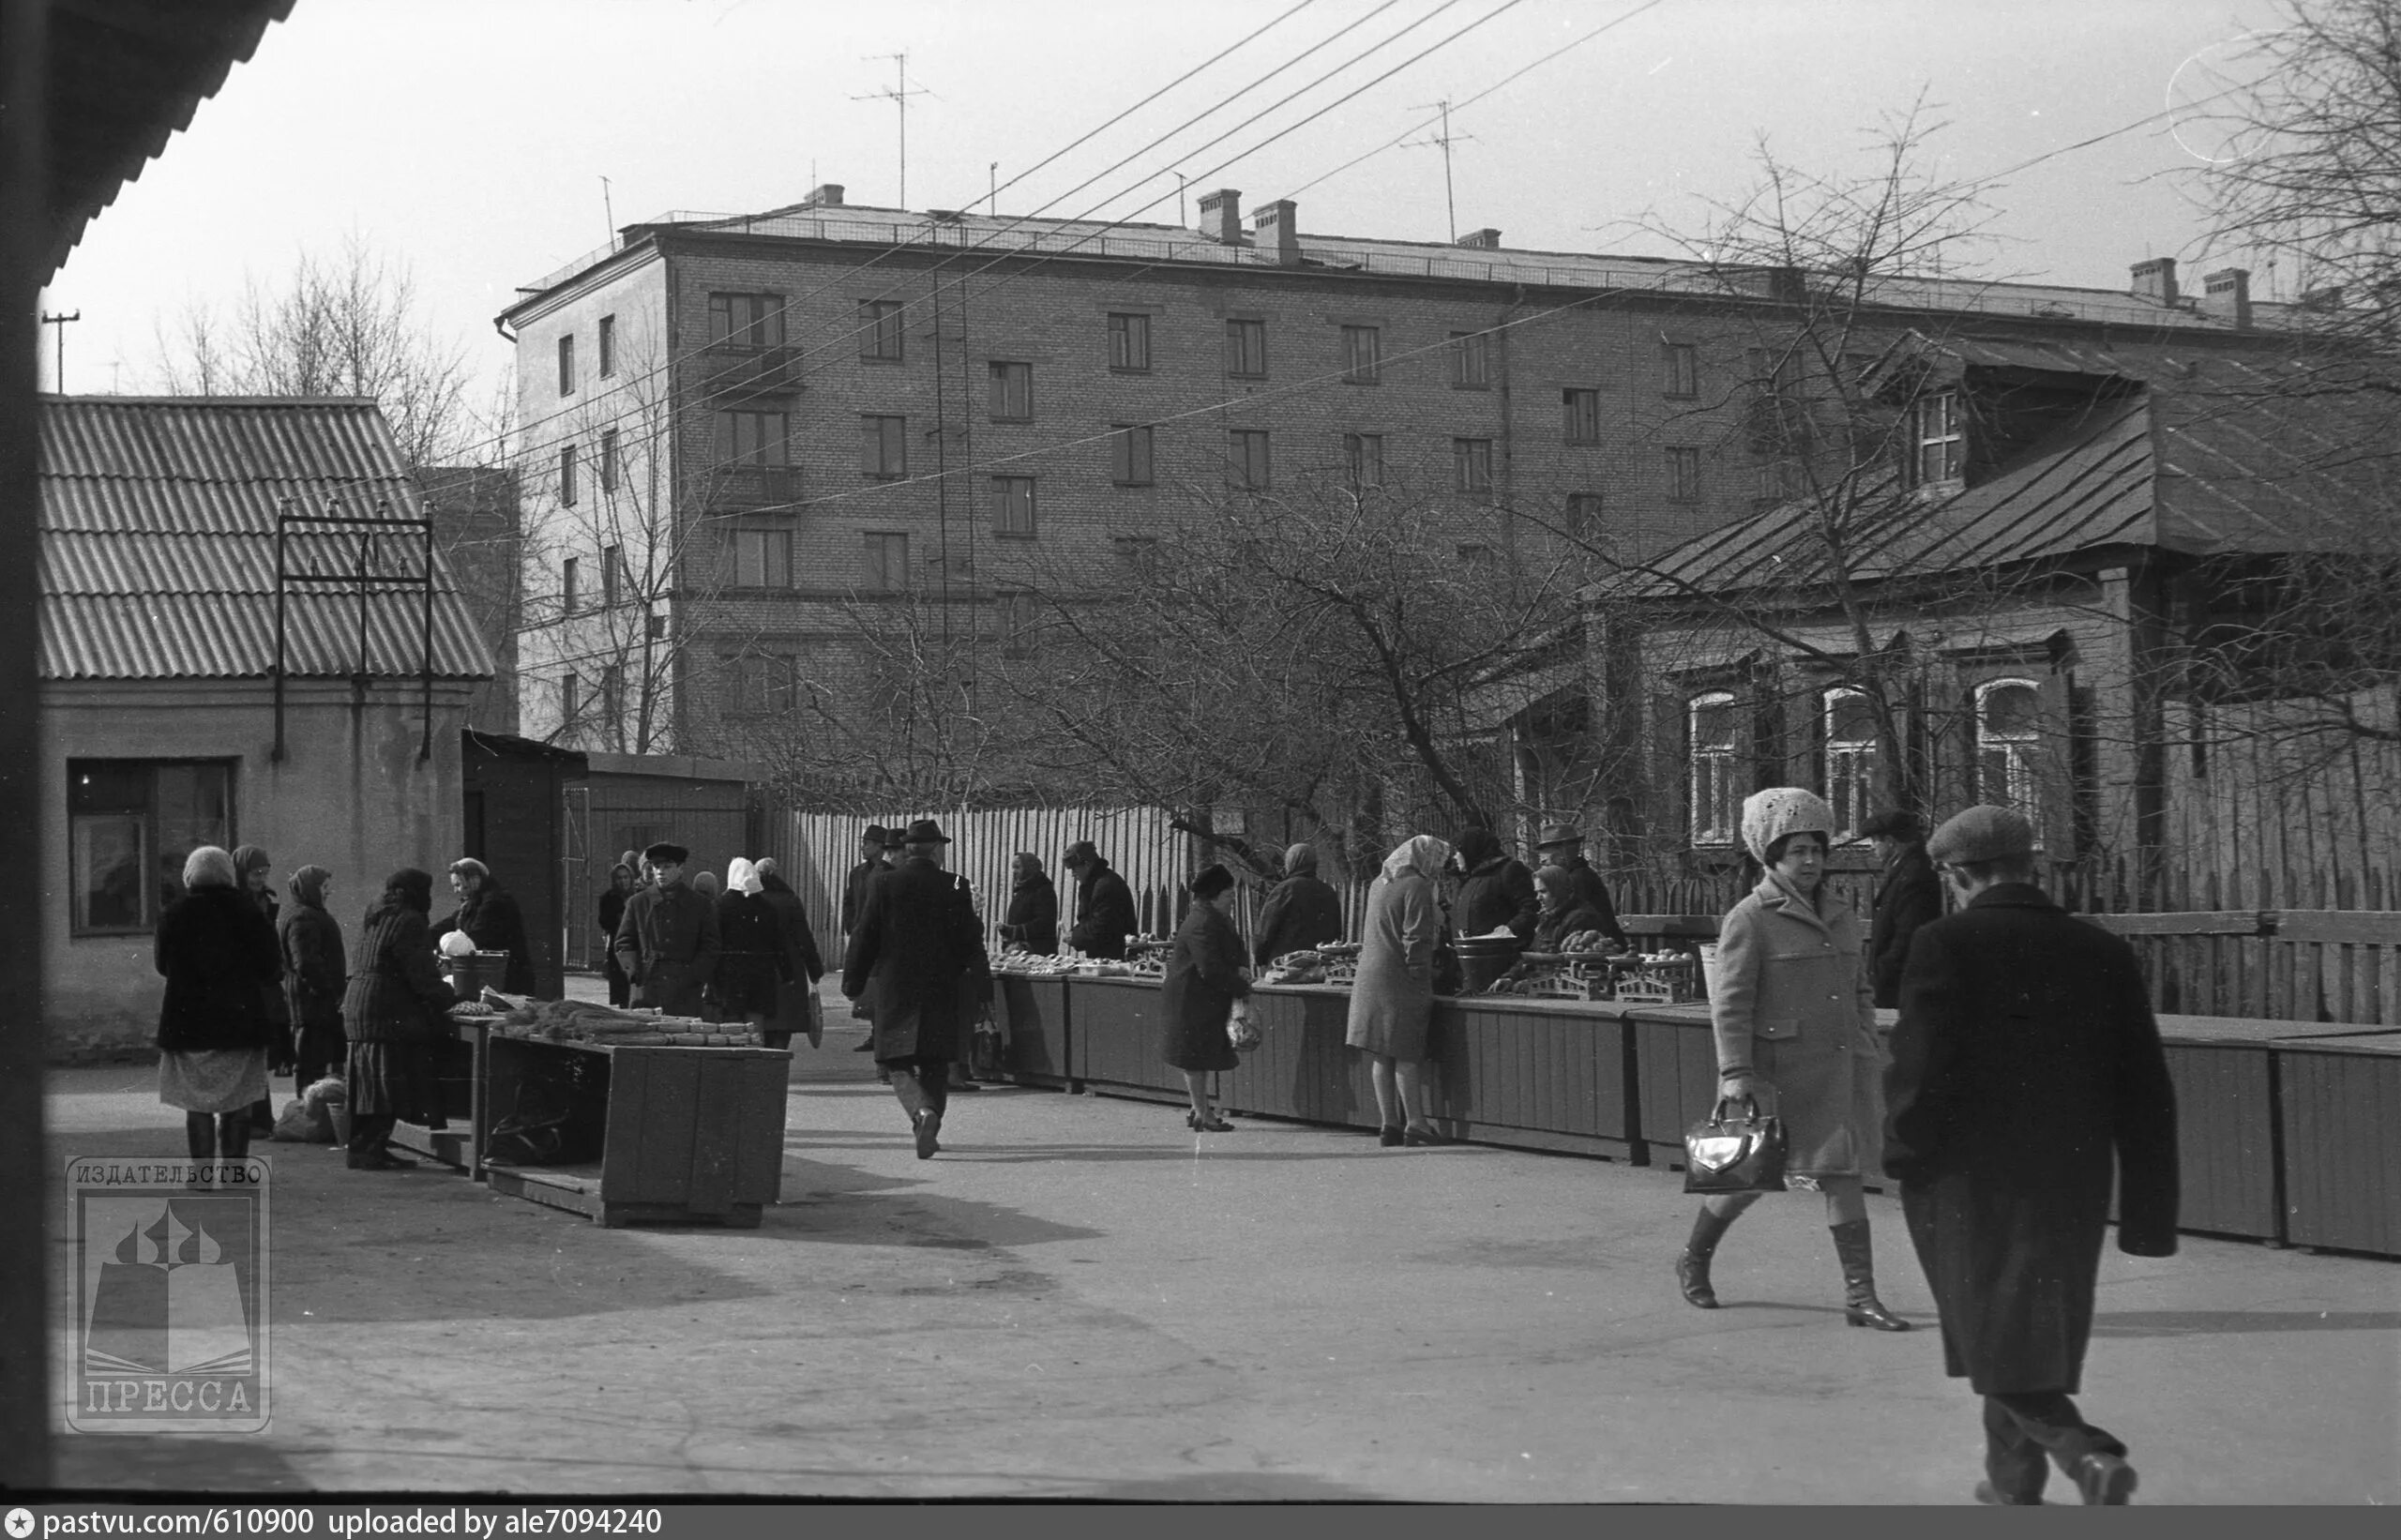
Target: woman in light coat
{"x": 1794, "y": 1015}
{"x": 1391, "y": 1005}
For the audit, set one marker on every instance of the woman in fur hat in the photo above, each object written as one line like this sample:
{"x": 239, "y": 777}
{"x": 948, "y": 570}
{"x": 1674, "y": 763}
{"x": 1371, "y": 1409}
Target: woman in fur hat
{"x": 1795, "y": 1022}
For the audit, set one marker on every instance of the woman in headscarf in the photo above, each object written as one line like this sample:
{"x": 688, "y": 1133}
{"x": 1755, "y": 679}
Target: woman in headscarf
{"x": 314, "y": 969}
{"x": 488, "y": 915}
{"x": 612, "y": 908}
{"x": 1300, "y": 913}
{"x": 1203, "y": 981}
{"x": 217, "y": 954}
{"x": 1032, "y": 920}
{"x": 1391, "y": 1005}
{"x": 796, "y": 1007}
{"x": 252, "y": 871}
{"x": 752, "y": 961}
{"x": 1793, "y": 1012}
{"x": 391, "y": 1010}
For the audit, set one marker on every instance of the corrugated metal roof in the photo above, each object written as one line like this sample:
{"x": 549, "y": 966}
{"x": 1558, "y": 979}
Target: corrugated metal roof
{"x": 158, "y": 542}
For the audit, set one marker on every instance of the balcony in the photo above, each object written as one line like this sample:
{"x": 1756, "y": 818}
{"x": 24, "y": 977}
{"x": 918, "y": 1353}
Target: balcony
{"x": 733, "y": 488}
{"x": 730, "y": 375}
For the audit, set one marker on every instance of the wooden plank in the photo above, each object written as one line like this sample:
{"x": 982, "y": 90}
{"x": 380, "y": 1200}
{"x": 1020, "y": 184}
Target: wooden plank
{"x": 670, "y": 1080}
{"x": 716, "y": 1111}
{"x": 2225, "y": 922}
{"x": 2342, "y": 1147}
{"x": 2226, "y": 1146}
{"x": 759, "y": 1153}
{"x": 2355, "y": 926}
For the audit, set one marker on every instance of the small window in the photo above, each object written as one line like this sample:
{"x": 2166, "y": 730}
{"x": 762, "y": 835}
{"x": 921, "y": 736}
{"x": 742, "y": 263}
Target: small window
{"x": 762, "y": 684}
{"x": 1362, "y": 459}
{"x": 612, "y": 695}
{"x": 745, "y": 321}
{"x": 1583, "y": 514}
{"x": 886, "y": 570}
{"x": 2008, "y": 721}
{"x": 1246, "y": 461}
{"x": 880, "y": 330}
{"x": 1363, "y": 354}
{"x": 760, "y": 557}
{"x": 608, "y": 346}
{"x": 1852, "y": 759}
{"x": 1139, "y": 552}
{"x": 883, "y": 447}
{"x": 1581, "y": 409}
{"x": 1012, "y": 392}
{"x": 570, "y": 702}
{"x": 612, "y": 575}
{"x": 1716, "y": 794}
{"x": 1471, "y": 465}
{"x": 567, "y": 365}
{"x": 1130, "y": 455}
{"x": 752, "y": 438}
{"x": 1680, "y": 371}
{"x": 1013, "y": 505}
{"x": 1017, "y": 620}
{"x": 1246, "y": 349}
{"x": 567, "y": 475}
{"x": 1472, "y": 360}
{"x": 1129, "y": 342}
{"x": 570, "y": 585}
{"x": 1937, "y": 439}
{"x": 131, "y": 825}
{"x": 1682, "y": 475}
{"x": 608, "y": 459}
{"x": 1476, "y": 557}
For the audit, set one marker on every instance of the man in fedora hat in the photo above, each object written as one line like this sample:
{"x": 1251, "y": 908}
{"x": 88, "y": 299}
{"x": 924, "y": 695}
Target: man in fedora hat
{"x": 1561, "y": 845}
{"x": 1907, "y": 895}
{"x": 919, "y": 945}
{"x": 2026, "y": 1066}
{"x": 872, "y": 866}
{"x": 1104, "y": 904}
{"x": 666, "y": 940}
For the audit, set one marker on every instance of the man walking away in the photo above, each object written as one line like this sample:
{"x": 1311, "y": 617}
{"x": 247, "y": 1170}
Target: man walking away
{"x": 1909, "y": 895}
{"x": 854, "y": 890}
{"x": 668, "y": 940}
{"x": 1561, "y": 845}
{"x": 920, "y": 946}
{"x": 2025, "y": 1055}
{"x": 1300, "y": 913}
{"x": 1104, "y": 904}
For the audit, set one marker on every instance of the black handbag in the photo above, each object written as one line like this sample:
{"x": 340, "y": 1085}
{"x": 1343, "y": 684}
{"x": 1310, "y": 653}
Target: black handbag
{"x": 1734, "y": 1151}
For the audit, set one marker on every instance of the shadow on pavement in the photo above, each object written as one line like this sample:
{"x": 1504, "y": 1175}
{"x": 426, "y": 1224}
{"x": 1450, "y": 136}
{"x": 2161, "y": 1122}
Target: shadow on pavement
{"x": 2241, "y": 1323}
{"x": 113, "y": 1462}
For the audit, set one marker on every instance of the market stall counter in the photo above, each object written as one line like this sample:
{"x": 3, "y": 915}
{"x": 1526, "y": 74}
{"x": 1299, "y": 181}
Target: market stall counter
{"x": 1032, "y": 1014}
{"x": 2342, "y": 1151}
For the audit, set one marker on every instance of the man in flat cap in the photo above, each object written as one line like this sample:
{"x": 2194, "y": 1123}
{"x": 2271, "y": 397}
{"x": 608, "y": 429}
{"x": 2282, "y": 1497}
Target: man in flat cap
{"x": 1104, "y": 904}
{"x": 1561, "y": 845}
{"x": 2026, "y": 1058}
{"x": 918, "y": 956}
{"x": 666, "y": 940}
{"x": 1907, "y": 895}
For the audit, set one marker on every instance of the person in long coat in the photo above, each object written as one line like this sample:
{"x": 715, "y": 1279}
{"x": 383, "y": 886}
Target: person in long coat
{"x": 667, "y": 942}
{"x": 1302, "y": 912}
{"x": 254, "y": 872}
{"x": 393, "y": 1013}
{"x": 1907, "y": 895}
{"x": 1795, "y": 1028}
{"x": 488, "y": 912}
{"x": 1496, "y": 889}
{"x": 218, "y": 955}
{"x": 1031, "y": 919}
{"x": 920, "y": 946}
{"x": 803, "y": 964}
{"x": 314, "y": 969}
{"x": 612, "y": 909}
{"x": 2027, "y": 1058}
{"x": 1104, "y": 904}
{"x": 752, "y": 960}
{"x": 1564, "y": 913}
{"x": 1391, "y": 1004}
{"x": 1203, "y": 981}
{"x": 1561, "y": 845}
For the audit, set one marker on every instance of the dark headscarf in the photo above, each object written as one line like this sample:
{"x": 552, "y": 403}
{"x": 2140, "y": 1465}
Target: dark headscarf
{"x": 407, "y": 888}
{"x": 307, "y": 886}
{"x": 1476, "y": 846}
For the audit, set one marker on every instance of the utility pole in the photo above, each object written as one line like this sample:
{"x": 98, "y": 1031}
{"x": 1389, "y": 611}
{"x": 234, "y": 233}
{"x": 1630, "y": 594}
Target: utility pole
{"x": 1445, "y": 139}
{"x": 899, "y": 98}
{"x": 1179, "y": 219}
{"x": 59, "y": 380}
{"x": 609, "y": 207}
{"x": 992, "y": 199}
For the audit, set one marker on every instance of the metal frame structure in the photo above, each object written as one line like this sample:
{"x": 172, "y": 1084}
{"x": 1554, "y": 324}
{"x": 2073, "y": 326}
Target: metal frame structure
{"x": 365, "y": 581}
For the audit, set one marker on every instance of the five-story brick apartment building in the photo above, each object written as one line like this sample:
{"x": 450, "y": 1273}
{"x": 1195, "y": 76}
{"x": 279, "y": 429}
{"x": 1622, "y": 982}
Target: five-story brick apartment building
{"x": 745, "y": 437}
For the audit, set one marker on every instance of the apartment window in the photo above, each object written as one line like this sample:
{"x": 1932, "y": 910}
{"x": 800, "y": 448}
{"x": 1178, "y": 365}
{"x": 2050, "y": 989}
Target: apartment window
{"x": 763, "y": 683}
{"x": 131, "y": 824}
{"x": 1470, "y": 360}
{"x": 1583, "y": 514}
{"x": 1363, "y": 354}
{"x": 612, "y": 575}
{"x": 1683, "y": 474}
{"x": 612, "y": 694}
{"x": 1129, "y": 342}
{"x": 2008, "y": 721}
{"x": 1136, "y": 551}
{"x": 886, "y": 570}
{"x": 1362, "y": 459}
{"x": 1716, "y": 795}
{"x": 880, "y": 330}
{"x": 1472, "y": 464}
{"x": 1012, "y": 392}
{"x": 567, "y": 475}
{"x": 883, "y": 447}
{"x": 570, "y": 585}
{"x": 570, "y": 702}
{"x": 1247, "y": 459}
{"x": 608, "y": 459}
{"x": 1582, "y": 411}
{"x": 1851, "y": 760}
{"x": 1781, "y": 480}
{"x": 1246, "y": 349}
{"x": 1130, "y": 456}
{"x": 567, "y": 365}
{"x": 1679, "y": 370}
{"x": 1013, "y": 505}
{"x": 1476, "y": 557}
{"x": 608, "y": 346}
{"x": 752, "y": 438}
{"x": 1017, "y": 620}
{"x": 1937, "y": 439}
{"x": 758, "y": 557}
{"x": 745, "y": 321}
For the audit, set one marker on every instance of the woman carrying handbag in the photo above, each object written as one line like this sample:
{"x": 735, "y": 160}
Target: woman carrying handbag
{"x": 1203, "y": 984}
{"x": 1794, "y": 1016}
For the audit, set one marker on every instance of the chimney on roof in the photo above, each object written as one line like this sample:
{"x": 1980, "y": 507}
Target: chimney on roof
{"x": 1277, "y": 228}
{"x": 1487, "y": 239}
{"x": 2155, "y": 279}
{"x": 824, "y": 195}
{"x": 1221, "y": 215}
{"x": 2227, "y": 292}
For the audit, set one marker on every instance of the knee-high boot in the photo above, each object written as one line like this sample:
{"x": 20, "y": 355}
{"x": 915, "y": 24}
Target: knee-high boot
{"x": 233, "y": 1135}
{"x": 200, "y": 1135}
{"x": 1859, "y": 1306}
{"x": 1692, "y": 1266}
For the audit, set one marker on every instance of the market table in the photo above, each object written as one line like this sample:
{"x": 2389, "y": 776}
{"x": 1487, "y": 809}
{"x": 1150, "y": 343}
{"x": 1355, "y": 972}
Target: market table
{"x": 2341, "y": 1149}
{"x": 1033, "y": 1013}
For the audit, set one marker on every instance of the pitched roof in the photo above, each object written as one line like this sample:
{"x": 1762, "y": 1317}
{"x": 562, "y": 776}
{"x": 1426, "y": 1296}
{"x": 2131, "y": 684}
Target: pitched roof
{"x": 159, "y": 520}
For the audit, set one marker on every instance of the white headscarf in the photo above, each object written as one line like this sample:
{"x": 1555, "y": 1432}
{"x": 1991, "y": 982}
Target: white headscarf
{"x": 742, "y": 876}
{"x": 1422, "y": 854}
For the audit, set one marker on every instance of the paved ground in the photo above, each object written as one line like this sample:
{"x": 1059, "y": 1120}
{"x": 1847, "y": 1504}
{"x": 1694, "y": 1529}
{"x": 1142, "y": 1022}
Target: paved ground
{"x": 1079, "y": 1299}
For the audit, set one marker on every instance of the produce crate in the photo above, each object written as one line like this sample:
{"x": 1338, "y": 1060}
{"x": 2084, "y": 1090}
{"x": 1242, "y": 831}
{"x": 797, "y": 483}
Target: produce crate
{"x": 1675, "y": 983}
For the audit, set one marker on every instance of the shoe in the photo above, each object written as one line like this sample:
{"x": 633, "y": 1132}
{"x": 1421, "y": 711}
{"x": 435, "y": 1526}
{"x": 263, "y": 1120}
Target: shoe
{"x": 1389, "y": 1137}
{"x": 928, "y": 1126}
{"x": 391, "y": 1159}
{"x": 1987, "y": 1495}
{"x": 1215, "y": 1125}
{"x": 2105, "y": 1479}
{"x": 965, "y": 1085}
{"x": 1420, "y": 1137}
{"x": 866, "y": 1044}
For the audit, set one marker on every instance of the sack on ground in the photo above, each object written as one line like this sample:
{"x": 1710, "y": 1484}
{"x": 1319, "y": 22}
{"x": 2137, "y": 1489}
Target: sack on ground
{"x": 304, "y": 1121}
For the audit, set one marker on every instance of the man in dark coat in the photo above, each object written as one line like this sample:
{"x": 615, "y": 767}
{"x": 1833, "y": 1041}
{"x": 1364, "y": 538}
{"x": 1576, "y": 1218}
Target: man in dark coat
{"x": 1302, "y": 913}
{"x": 1104, "y": 904}
{"x": 854, "y": 886}
{"x": 2026, "y": 1056}
{"x": 667, "y": 941}
{"x": 1561, "y": 845}
{"x": 1907, "y": 895}
{"x": 1032, "y": 920}
{"x": 1496, "y": 892}
{"x": 920, "y": 944}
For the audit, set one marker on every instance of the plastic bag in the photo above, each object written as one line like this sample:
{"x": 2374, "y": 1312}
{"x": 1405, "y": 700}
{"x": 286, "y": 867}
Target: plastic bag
{"x": 1241, "y": 1030}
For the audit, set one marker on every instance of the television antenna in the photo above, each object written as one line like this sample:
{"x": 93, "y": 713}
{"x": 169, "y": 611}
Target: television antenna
{"x": 898, "y": 97}
{"x": 1444, "y": 139}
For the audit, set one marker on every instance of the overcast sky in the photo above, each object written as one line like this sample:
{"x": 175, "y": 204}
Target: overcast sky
{"x": 470, "y": 137}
